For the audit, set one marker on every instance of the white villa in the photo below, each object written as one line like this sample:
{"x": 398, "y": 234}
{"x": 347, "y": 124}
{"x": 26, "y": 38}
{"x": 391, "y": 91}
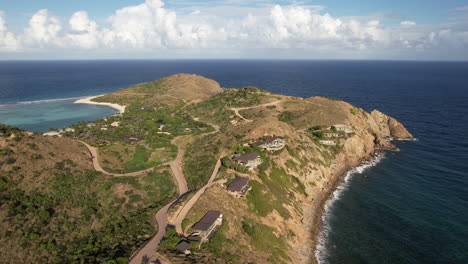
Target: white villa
{"x": 270, "y": 143}
{"x": 327, "y": 142}
{"x": 344, "y": 128}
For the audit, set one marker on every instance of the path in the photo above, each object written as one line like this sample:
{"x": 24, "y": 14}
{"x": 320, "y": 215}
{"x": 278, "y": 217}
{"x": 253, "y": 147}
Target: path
{"x": 176, "y": 167}
{"x": 95, "y": 155}
{"x": 237, "y": 109}
{"x": 184, "y": 211}
{"x": 150, "y": 247}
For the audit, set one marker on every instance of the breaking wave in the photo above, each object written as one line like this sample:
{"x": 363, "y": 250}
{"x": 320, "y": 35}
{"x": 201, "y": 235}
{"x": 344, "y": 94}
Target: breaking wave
{"x": 321, "y": 250}
{"x": 42, "y": 101}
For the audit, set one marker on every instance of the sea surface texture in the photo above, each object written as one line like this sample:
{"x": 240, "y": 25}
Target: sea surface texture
{"x": 411, "y": 207}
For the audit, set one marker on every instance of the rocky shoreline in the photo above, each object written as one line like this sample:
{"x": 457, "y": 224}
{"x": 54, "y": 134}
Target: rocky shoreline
{"x": 318, "y": 209}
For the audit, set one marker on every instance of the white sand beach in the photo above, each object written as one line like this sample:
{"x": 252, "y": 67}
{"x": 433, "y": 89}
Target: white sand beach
{"x": 87, "y": 100}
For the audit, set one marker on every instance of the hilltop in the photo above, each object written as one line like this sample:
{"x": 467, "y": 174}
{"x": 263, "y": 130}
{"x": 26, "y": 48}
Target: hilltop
{"x": 187, "y": 126}
{"x": 171, "y": 91}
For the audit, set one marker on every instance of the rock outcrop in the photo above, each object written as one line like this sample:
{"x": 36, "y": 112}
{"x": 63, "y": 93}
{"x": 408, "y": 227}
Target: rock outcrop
{"x": 389, "y": 127}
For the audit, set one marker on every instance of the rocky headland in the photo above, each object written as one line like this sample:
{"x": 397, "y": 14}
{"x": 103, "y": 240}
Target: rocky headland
{"x": 191, "y": 120}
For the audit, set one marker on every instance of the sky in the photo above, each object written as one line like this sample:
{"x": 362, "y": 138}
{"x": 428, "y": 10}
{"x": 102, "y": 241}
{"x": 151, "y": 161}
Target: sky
{"x": 234, "y": 29}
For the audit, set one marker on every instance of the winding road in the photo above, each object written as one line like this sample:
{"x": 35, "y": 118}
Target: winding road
{"x": 186, "y": 208}
{"x": 237, "y": 109}
{"x": 95, "y": 155}
{"x": 150, "y": 247}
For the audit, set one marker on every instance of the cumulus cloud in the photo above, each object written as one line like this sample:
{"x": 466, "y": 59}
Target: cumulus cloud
{"x": 150, "y": 27}
{"x": 8, "y": 41}
{"x": 42, "y": 31}
{"x": 83, "y": 32}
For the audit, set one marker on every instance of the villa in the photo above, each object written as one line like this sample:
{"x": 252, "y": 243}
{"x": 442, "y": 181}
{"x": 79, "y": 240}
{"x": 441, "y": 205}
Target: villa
{"x": 207, "y": 226}
{"x": 331, "y": 134}
{"x": 344, "y": 128}
{"x": 270, "y": 143}
{"x": 327, "y": 142}
{"x": 249, "y": 160}
{"x": 239, "y": 187}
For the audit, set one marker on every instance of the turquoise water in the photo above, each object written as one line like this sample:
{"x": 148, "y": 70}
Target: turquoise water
{"x": 41, "y": 115}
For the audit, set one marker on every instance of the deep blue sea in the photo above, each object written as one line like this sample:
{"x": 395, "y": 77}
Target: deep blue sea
{"x": 412, "y": 207}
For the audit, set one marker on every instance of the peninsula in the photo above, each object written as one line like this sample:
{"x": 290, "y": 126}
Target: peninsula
{"x": 188, "y": 172}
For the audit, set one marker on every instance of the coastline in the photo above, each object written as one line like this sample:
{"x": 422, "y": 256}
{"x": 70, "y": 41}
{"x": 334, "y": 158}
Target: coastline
{"x": 319, "y": 206}
{"x": 88, "y": 100}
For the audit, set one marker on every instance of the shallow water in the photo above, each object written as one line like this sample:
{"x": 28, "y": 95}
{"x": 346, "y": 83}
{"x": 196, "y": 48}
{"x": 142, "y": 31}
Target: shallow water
{"x": 42, "y": 115}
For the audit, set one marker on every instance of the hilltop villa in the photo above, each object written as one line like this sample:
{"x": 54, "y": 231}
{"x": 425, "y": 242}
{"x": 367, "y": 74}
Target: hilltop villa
{"x": 249, "y": 160}
{"x": 270, "y": 143}
{"x": 239, "y": 186}
{"x": 207, "y": 226}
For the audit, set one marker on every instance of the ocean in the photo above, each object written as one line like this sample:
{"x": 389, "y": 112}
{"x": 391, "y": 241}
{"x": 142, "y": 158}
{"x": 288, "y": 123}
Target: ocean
{"x": 409, "y": 206}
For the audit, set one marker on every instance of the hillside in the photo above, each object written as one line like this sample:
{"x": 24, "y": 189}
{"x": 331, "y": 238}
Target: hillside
{"x": 56, "y": 209}
{"x": 187, "y": 126}
{"x": 165, "y": 93}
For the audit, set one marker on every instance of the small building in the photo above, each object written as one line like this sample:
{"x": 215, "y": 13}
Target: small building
{"x": 184, "y": 247}
{"x": 327, "y": 142}
{"x": 344, "y": 128}
{"x": 249, "y": 160}
{"x": 270, "y": 143}
{"x": 239, "y": 186}
{"x": 207, "y": 226}
{"x": 331, "y": 134}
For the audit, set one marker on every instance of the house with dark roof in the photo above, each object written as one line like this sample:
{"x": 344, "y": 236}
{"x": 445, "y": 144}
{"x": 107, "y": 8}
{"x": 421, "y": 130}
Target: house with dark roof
{"x": 184, "y": 247}
{"x": 239, "y": 186}
{"x": 248, "y": 160}
{"x": 207, "y": 226}
{"x": 270, "y": 143}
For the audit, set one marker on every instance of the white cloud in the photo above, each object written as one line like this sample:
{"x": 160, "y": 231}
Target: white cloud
{"x": 407, "y": 23}
{"x": 42, "y": 31}
{"x": 83, "y": 32}
{"x": 151, "y": 28}
{"x": 8, "y": 41}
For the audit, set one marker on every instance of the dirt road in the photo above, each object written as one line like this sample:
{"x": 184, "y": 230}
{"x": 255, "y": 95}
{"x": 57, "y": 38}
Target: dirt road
{"x": 184, "y": 211}
{"x": 150, "y": 247}
{"x": 237, "y": 109}
{"x": 95, "y": 155}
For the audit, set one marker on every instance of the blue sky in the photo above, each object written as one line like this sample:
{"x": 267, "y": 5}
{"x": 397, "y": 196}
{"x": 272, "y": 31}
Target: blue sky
{"x": 365, "y": 29}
